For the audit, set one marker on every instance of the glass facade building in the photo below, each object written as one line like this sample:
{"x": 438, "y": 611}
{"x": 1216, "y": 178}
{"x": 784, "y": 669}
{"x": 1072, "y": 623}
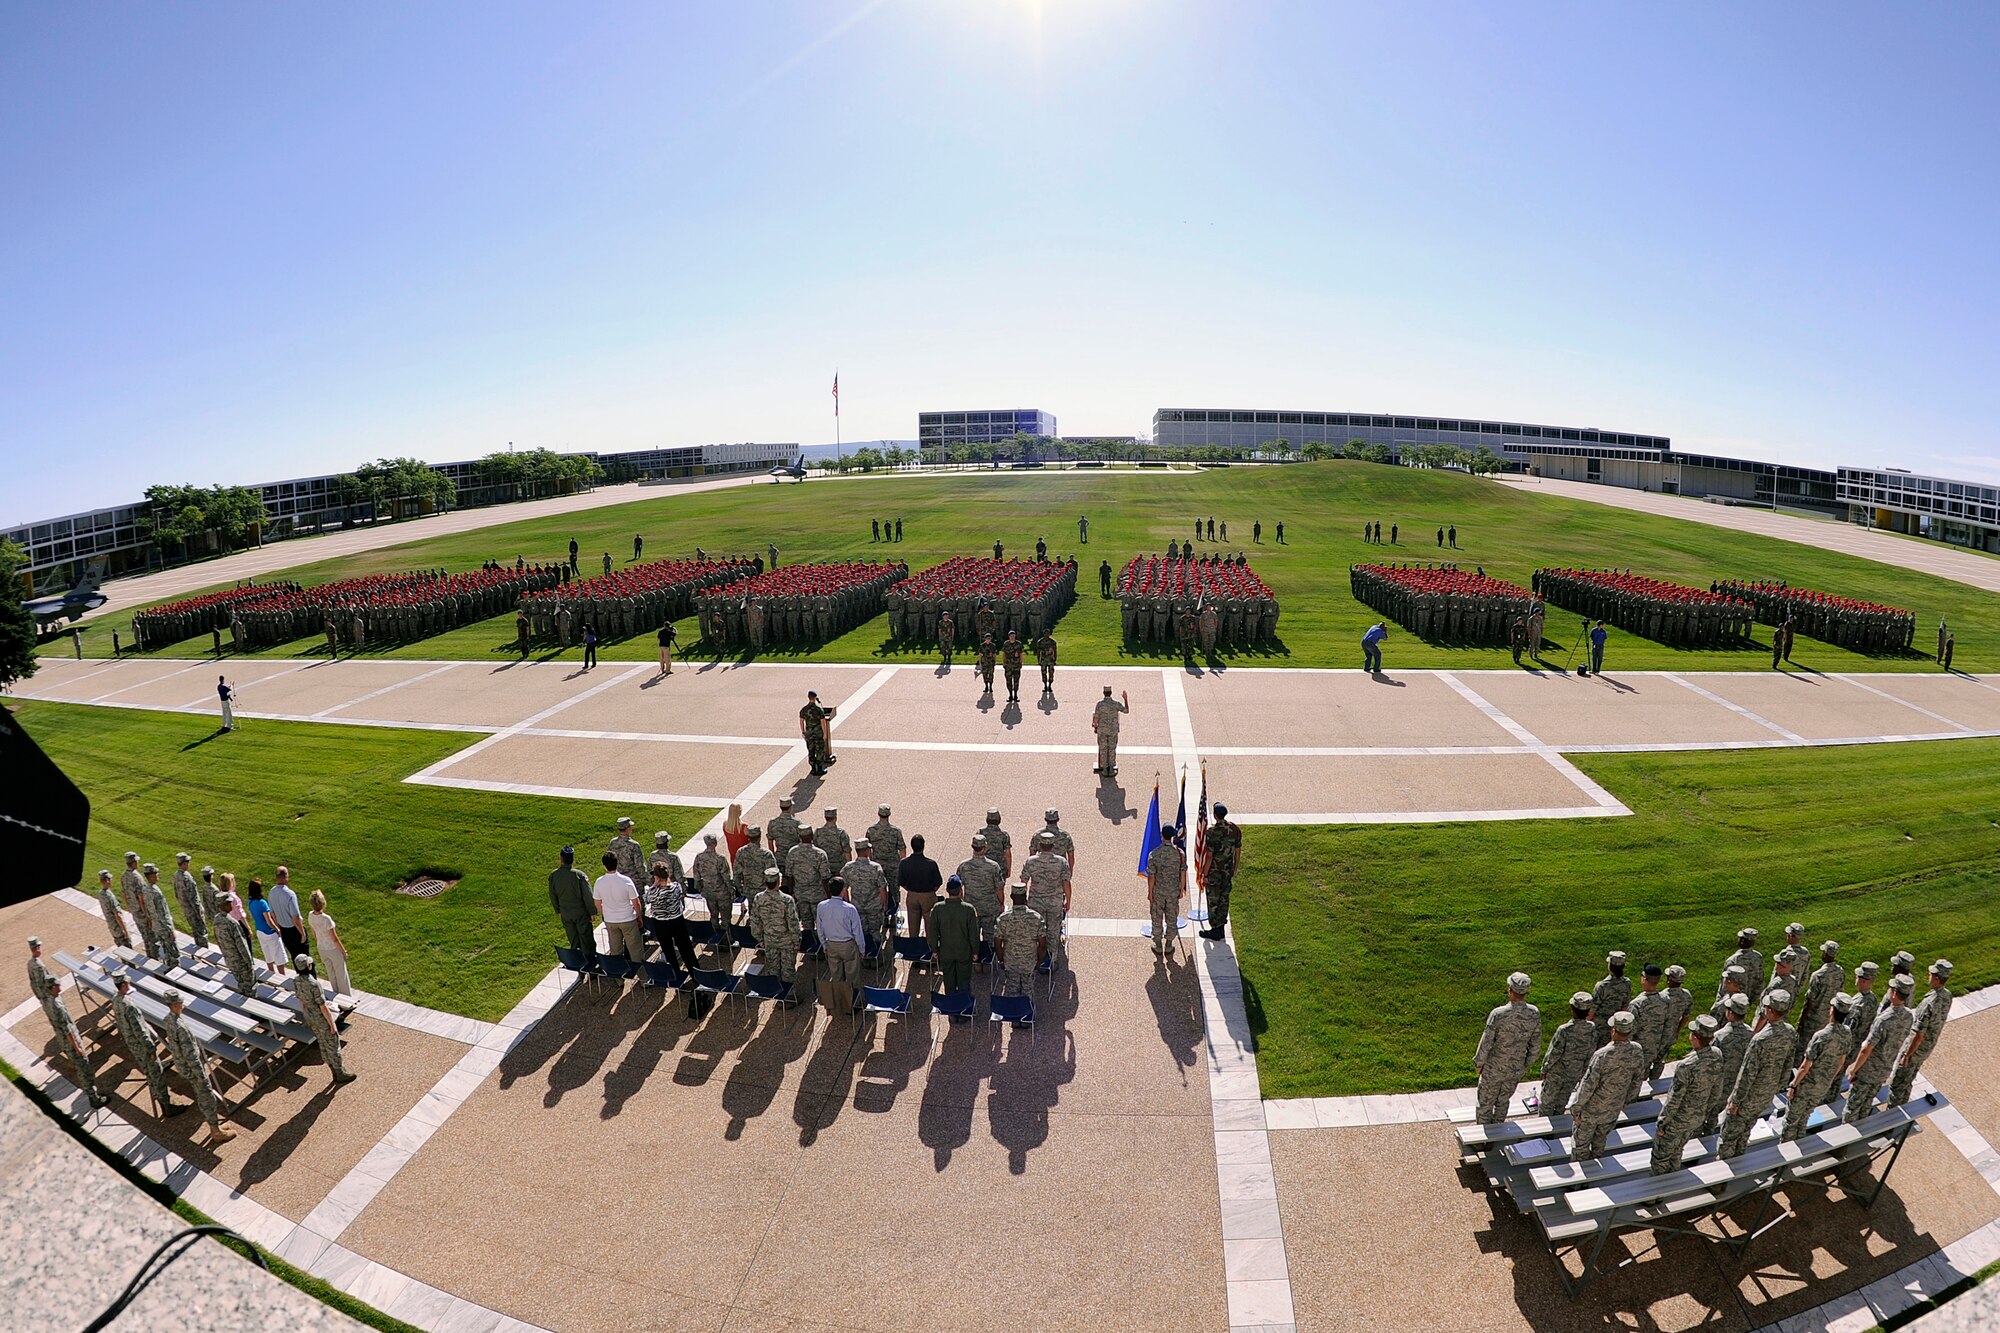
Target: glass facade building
{"x": 992, "y": 426}
{"x": 1257, "y": 428}
{"x": 1965, "y": 513}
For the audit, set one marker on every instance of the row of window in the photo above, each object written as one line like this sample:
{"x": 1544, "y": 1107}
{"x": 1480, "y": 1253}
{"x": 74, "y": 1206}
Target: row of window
{"x": 1901, "y": 483}
{"x": 1027, "y": 418}
{"x": 1354, "y": 419}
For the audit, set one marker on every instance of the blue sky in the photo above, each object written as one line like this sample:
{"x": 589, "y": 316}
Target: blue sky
{"x": 242, "y": 242}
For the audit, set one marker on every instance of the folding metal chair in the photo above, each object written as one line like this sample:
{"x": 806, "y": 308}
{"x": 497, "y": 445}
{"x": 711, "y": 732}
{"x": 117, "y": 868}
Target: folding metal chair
{"x": 1016, "y": 1009}
{"x": 949, "y": 1007}
{"x": 762, "y": 986}
{"x": 914, "y": 950}
{"x": 742, "y": 937}
{"x": 662, "y": 976}
{"x": 718, "y": 981}
{"x": 573, "y": 961}
{"x": 617, "y": 968}
{"x": 887, "y": 1000}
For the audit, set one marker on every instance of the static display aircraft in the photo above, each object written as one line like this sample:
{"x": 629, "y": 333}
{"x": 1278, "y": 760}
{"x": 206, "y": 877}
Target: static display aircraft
{"x": 50, "y": 612}
{"x": 796, "y": 471}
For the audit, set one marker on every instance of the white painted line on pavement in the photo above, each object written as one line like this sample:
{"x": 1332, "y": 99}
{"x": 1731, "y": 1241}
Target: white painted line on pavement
{"x": 324, "y": 713}
{"x": 1736, "y": 708}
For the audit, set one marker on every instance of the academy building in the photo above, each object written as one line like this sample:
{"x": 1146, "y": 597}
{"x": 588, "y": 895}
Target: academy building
{"x": 989, "y": 426}
{"x": 1965, "y": 513}
{"x": 1574, "y": 453}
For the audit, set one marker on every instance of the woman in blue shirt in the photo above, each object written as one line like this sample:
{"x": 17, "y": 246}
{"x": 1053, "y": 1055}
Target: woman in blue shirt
{"x": 269, "y": 941}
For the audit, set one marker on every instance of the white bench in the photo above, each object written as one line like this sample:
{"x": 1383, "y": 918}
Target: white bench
{"x": 212, "y": 1041}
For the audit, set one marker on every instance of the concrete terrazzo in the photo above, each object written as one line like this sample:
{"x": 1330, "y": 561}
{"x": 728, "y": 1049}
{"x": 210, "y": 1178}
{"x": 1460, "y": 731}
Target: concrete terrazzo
{"x": 1334, "y": 708}
{"x": 1820, "y": 707}
{"x": 1641, "y": 709}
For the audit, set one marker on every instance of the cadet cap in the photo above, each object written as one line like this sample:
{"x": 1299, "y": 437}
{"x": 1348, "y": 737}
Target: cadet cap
{"x": 1052, "y": 814}
{"x": 130, "y": 857}
{"x": 1902, "y": 958}
{"x": 1747, "y": 935}
{"x": 1829, "y": 949}
{"x": 1018, "y": 892}
{"x": 1779, "y": 1000}
{"x": 1842, "y": 1003}
{"x": 1622, "y": 1021}
{"x": 831, "y": 812}
{"x": 992, "y": 814}
{"x": 1867, "y": 969}
{"x": 753, "y": 831}
{"x": 1046, "y": 838}
{"x": 863, "y": 842}
{"x": 1796, "y": 928}
{"x": 1615, "y": 956}
{"x": 979, "y": 840}
{"x": 709, "y": 838}
{"x": 172, "y": 996}
{"x": 1580, "y": 1000}
{"x": 1518, "y": 982}
{"x": 182, "y": 857}
{"x": 882, "y": 810}
{"x": 149, "y": 868}
{"x": 34, "y": 941}
{"x": 206, "y": 870}
{"x": 624, "y": 821}
{"x": 1738, "y": 1004}
{"x": 1941, "y": 968}
{"x": 104, "y": 874}
{"x": 1676, "y": 974}
{"x": 1903, "y": 982}
{"x": 1736, "y": 972}
{"x": 784, "y": 802}
{"x": 663, "y": 839}
{"x": 771, "y": 875}
{"x": 1705, "y": 1024}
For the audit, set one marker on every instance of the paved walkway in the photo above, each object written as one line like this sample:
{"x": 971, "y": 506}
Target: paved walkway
{"x": 1926, "y": 557}
{"x": 518, "y": 1169}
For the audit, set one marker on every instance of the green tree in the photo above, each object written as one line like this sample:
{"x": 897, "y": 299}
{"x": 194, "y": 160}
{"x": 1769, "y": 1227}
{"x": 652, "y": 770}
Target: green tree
{"x": 17, "y": 627}
{"x": 1485, "y": 461}
{"x": 1318, "y": 450}
{"x": 867, "y": 458}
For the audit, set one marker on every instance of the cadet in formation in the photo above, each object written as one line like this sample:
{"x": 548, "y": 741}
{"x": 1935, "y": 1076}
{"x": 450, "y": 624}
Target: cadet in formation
{"x": 774, "y": 923}
{"x": 1732, "y": 1040}
{"x": 1506, "y": 1049}
{"x": 1876, "y": 1060}
{"x": 712, "y": 880}
{"x": 1018, "y": 941}
{"x": 784, "y": 830}
{"x": 1826, "y": 982}
{"x": 1766, "y": 1064}
{"x": 982, "y": 879}
{"x": 753, "y": 859}
{"x": 1568, "y": 1056}
{"x": 1819, "y": 1070}
{"x": 47, "y": 989}
{"x": 1010, "y": 661}
{"x": 1752, "y": 963}
{"x": 868, "y": 889}
{"x": 1045, "y": 658}
{"x": 1610, "y": 1081}
{"x": 312, "y": 1006}
{"x": 1691, "y": 1102}
{"x": 1925, "y": 1028}
{"x": 1611, "y": 994}
{"x": 1652, "y": 1017}
{"x": 161, "y": 946}
{"x": 189, "y": 1060}
{"x": 234, "y": 940}
{"x": 187, "y": 892}
{"x": 142, "y": 1044}
{"x": 807, "y": 870}
{"x": 989, "y": 657}
{"x": 1047, "y": 877}
{"x": 890, "y": 848}
{"x": 114, "y": 915}
{"x": 1679, "y": 1005}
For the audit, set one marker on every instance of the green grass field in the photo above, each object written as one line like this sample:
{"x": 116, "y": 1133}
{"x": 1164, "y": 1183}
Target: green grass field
{"x": 1323, "y": 505}
{"x": 330, "y": 803}
{"x": 1371, "y": 954}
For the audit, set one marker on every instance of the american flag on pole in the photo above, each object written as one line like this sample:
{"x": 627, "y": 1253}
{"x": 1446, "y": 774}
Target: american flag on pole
{"x": 1201, "y": 832}
{"x": 836, "y": 393}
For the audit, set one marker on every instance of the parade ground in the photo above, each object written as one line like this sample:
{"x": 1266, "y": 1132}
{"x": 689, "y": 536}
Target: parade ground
{"x": 597, "y": 1159}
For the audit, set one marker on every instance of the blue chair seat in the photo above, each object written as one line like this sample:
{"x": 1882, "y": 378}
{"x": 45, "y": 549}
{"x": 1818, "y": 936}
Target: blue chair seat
{"x": 714, "y": 980}
{"x": 984, "y": 954}
{"x": 766, "y": 986}
{"x": 573, "y": 961}
{"x": 913, "y": 949}
{"x": 742, "y": 936}
{"x": 885, "y": 1000}
{"x": 1011, "y": 1009}
{"x": 617, "y": 967}
{"x": 809, "y": 944}
{"x": 959, "y": 1004}
{"x": 664, "y": 975}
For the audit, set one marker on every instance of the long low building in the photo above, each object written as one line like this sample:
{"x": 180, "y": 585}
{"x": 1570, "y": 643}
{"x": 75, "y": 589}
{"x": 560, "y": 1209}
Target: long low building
{"x": 1964, "y": 513}
{"x": 1575, "y": 453}
{"x": 58, "y": 547}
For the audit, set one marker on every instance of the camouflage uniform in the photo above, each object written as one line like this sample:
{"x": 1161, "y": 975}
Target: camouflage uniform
{"x": 1752, "y": 964}
{"x": 832, "y": 839}
{"x": 784, "y": 832}
{"x": 1106, "y": 714}
{"x": 1563, "y": 1063}
{"x": 1697, "y": 1084}
{"x": 1166, "y": 871}
{"x": 885, "y": 840}
{"x": 999, "y": 843}
{"x": 187, "y": 892}
{"x": 774, "y": 920}
{"x": 1225, "y": 850}
{"x": 806, "y": 874}
{"x": 869, "y": 888}
{"x": 1680, "y": 1003}
{"x": 711, "y": 877}
{"x": 1826, "y": 982}
{"x": 114, "y": 917}
{"x": 1892, "y": 1026}
{"x": 631, "y": 857}
{"x": 752, "y": 860}
{"x": 234, "y": 942}
{"x": 193, "y": 1068}
{"x": 1047, "y": 877}
{"x": 1732, "y": 1043}
{"x": 1019, "y": 933}
{"x": 1766, "y": 1062}
{"x": 1652, "y": 1019}
{"x": 1931, "y": 1014}
{"x": 161, "y": 946}
{"x": 143, "y": 1045}
{"x": 1607, "y": 997}
{"x": 1506, "y": 1049}
{"x": 983, "y": 881}
{"x": 132, "y": 887}
{"x": 67, "y": 1035}
{"x": 1612, "y": 1079}
{"x": 1825, "y": 1054}
{"x": 312, "y": 1004}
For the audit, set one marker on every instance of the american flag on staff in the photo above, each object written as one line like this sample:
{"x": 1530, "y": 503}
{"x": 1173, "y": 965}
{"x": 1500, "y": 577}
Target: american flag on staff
{"x": 836, "y": 393}
{"x": 1201, "y": 832}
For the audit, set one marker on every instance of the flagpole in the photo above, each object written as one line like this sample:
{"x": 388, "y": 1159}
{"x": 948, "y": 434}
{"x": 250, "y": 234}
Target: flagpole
{"x": 836, "y": 419}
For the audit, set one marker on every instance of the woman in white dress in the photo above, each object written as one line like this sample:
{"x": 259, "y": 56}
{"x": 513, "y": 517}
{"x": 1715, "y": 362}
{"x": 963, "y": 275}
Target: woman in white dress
{"x": 326, "y": 943}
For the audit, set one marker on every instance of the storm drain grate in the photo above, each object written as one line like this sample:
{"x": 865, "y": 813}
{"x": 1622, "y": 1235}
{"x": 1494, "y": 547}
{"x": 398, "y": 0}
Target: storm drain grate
{"x": 425, "y": 887}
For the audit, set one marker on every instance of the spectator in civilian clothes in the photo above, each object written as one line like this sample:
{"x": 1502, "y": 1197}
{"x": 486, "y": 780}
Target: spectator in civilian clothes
{"x": 666, "y": 915}
{"x": 618, "y": 907}
{"x": 920, "y": 881}
{"x": 841, "y": 935}
{"x": 269, "y": 942}
{"x": 326, "y": 939}
{"x": 286, "y": 916}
